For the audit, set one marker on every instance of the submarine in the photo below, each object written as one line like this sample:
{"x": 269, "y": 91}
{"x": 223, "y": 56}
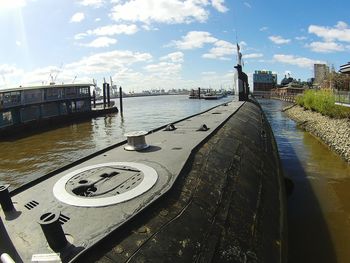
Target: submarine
{"x": 207, "y": 188}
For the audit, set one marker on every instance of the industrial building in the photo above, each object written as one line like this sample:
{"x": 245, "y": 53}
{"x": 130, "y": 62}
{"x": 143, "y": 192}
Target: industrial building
{"x": 264, "y": 81}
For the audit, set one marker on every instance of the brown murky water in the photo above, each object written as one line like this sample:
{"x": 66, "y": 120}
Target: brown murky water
{"x": 319, "y": 208}
{"x": 24, "y": 159}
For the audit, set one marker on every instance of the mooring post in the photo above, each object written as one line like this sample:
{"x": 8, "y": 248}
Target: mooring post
{"x": 199, "y": 92}
{"x": 121, "y": 99}
{"x": 108, "y": 95}
{"x": 94, "y": 98}
{"x": 53, "y": 231}
{"x": 104, "y": 94}
{"x": 5, "y": 199}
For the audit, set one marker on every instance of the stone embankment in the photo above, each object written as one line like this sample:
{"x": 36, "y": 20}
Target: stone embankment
{"x": 333, "y": 132}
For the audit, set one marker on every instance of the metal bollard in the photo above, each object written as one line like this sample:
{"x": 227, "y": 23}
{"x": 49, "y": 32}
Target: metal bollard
{"x": 53, "y": 231}
{"x": 5, "y": 199}
{"x": 136, "y": 141}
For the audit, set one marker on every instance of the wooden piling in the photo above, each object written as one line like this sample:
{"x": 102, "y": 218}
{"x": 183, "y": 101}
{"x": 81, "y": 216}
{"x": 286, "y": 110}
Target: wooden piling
{"x": 108, "y": 95}
{"x": 121, "y": 99}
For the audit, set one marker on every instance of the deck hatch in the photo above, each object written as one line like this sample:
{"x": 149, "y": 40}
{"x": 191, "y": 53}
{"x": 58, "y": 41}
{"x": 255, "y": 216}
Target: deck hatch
{"x": 105, "y": 184}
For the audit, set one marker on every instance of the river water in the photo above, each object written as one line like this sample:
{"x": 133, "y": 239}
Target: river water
{"x": 24, "y": 159}
{"x": 318, "y": 209}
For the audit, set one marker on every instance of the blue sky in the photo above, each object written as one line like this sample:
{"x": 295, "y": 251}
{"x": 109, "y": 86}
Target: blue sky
{"x": 146, "y": 44}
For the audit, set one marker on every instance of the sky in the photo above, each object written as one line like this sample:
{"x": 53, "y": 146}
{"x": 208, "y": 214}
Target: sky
{"x": 166, "y": 44}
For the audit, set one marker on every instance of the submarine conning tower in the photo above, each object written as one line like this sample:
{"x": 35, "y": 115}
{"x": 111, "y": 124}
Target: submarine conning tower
{"x": 208, "y": 188}
{"x": 242, "y": 79}
{"x": 243, "y": 84}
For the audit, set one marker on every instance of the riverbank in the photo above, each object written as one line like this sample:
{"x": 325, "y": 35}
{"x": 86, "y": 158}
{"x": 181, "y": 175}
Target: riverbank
{"x": 333, "y": 132}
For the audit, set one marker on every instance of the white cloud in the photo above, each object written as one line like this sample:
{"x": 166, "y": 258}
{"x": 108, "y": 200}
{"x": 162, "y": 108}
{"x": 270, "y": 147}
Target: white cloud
{"x": 176, "y": 57}
{"x": 340, "y": 32}
{"x": 297, "y": 61}
{"x": 242, "y": 45}
{"x": 77, "y": 17}
{"x": 6, "y": 69}
{"x": 194, "y": 39}
{"x": 87, "y": 68}
{"x": 219, "y": 5}
{"x": 97, "y": 19}
{"x": 149, "y": 28}
{"x": 164, "y": 68}
{"x": 80, "y": 36}
{"x": 92, "y": 3}
{"x": 40, "y": 75}
{"x": 264, "y": 28}
{"x": 16, "y": 77}
{"x": 247, "y": 4}
{"x": 18, "y": 43}
{"x": 161, "y": 11}
{"x": 221, "y": 50}
{"x": 253, "y": 55}
{"x": 12, "y": 76}
{"x": 101, "y": 42}
{"x": 128, "y": 75}
{"x": 107, "y": 61}
{"x": 279, "y": 40}
{"x": 325, "y": 47}
{"x": 301, "y": 38}
{"x": 109, "y": 30}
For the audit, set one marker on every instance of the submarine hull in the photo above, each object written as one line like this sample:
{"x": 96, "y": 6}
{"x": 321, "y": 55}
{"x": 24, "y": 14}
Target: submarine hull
{"x": 208, "y": 189}
{"x": 227, "y": 205}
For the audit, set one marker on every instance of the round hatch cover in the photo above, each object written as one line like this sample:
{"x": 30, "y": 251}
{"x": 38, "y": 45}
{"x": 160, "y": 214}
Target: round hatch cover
{"x": 105, "y": 184}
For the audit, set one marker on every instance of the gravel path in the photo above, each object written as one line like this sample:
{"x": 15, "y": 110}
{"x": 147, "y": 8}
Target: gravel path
{"x": 333, "y": 132}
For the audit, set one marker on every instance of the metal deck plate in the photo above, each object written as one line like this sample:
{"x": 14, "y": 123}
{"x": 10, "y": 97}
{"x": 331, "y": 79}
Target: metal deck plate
{"x": 87, "y": 214}
{"x": 92, "y": 186}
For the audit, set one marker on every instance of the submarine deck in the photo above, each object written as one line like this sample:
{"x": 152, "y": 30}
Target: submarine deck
{"x": 219, "y": 196}
{"x": 227, "y": 205}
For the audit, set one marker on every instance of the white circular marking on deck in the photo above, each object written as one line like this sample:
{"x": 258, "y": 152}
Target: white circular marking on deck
{"x": 149, "y": 180}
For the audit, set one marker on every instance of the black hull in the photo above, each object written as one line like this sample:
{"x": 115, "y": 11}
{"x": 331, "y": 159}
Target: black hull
{"x": 227, "y": 205}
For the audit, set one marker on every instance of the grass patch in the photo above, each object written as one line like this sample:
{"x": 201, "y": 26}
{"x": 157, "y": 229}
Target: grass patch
{"x": 322, "y": 101}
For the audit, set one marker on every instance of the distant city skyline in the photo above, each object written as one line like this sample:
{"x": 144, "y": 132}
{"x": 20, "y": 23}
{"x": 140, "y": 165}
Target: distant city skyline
{"x": 166, "y": 44}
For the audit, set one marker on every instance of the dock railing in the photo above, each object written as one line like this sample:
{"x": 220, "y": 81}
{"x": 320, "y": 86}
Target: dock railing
{"x": 290, "y": 97}
{"x": 342, "y": 97}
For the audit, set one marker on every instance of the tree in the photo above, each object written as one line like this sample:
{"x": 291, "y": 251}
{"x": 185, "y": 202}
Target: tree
{"x": 337, "y": 81}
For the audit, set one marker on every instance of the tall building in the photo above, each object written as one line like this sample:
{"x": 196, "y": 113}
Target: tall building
{"x": 264, "y": 80}
{"x": 321, "y": 72}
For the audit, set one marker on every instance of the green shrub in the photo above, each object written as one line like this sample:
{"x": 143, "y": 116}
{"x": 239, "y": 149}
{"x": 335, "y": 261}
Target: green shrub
{"x": 322, "y": 101}
{"x": 300, "y": 100}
